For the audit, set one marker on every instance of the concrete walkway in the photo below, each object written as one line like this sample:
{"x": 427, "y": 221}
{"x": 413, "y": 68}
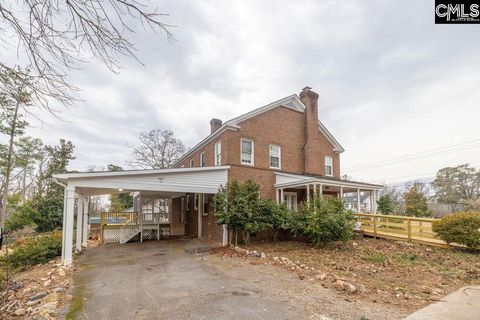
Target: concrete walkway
{"x": 163, "y": 280}
{"x": 463, "y": 304}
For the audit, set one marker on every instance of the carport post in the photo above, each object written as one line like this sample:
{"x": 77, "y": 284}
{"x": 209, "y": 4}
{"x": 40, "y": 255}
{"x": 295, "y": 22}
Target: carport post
{"x": 78, "y": 241}
{"x": 85, "y": 222}
{"x": 68, "y": 230}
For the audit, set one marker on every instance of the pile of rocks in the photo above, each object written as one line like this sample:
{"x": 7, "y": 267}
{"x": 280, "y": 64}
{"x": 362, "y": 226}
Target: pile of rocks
{"x": 253, "y": 253}
{"x": 35, "y": 297}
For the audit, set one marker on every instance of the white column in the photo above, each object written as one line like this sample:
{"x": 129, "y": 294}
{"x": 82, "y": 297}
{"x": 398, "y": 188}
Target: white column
{"x": 86, "y": 208}
{"x": 200, "y": 204}
{"x": 78, "y": 241}
{"x": 340, "y": 195}
{"x": 320, "y": 190}
{"x": 225, "y": 235}
{"x": 282, "y": 199}
{"x": 358, "y": 201}
{"x": 375, "y": 202}
{"x": 308, "y": 193}
{"x": 64, "y": 221}
{"x": 276, "y": 196}
{"x": 371, "y": 201}
{"x": 68, "y": 215}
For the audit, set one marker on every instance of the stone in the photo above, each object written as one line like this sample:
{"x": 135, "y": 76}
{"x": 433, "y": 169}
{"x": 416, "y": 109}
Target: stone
{"x": 61, "y": 273}
{"x": 59, "y": 289}
{"x": 301, "y": 276}
{"x": 345, "y": 286}
{"x": 437, "y": 291}
{"x": 49, "y": 306}
{"x": 44, "y": 279}
{"x": 47, "y": 283}
{"x": 263, "y": 255}
{"x": 426, "y": 290}
{"x": 38, "y": 317}
{"x": 37, "y": 296}
{"x": 33, "y": 302}
{"x": 20, "y": 312}
{"x": 322, "y": 276}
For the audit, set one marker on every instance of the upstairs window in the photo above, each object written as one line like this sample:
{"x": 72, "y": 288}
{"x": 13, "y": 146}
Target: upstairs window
{"x": 218, "y": 153}
{"x": 202, "y": 159}
{"x": 191, "y": 163}
{"x": 328, "y": 166}
{"x": 246, "y": 151}
{"x": 275, "y": 156}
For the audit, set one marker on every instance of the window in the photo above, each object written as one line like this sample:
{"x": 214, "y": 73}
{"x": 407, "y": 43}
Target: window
{"x": 218, "y": 153}
{"x": 275, "y": 156}
{"x": 202, "y": 159}
{"x": 205, "y": 204}
{"x": 290, "y": 199}
{"x": 191, "y": 163}
{"x": 246, "y": 151}
{"x": 328, "y": 166}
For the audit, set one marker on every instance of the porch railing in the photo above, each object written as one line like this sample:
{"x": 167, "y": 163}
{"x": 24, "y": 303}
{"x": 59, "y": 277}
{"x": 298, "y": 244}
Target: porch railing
{"x": 116, "y": 220}
{"x": 409, "y": 229}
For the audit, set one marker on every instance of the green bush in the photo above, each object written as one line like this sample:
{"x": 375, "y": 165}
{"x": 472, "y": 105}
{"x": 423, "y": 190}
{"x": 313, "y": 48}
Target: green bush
{"x": 276, "y": 216}
{"x": 34, "y": 250}
{"x": 324, "y": 221}
{"x": 462, "y": 228}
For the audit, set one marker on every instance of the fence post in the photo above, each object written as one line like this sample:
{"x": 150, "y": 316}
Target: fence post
{"x": 374, "y": 227}
{"x": 409, "y": 228}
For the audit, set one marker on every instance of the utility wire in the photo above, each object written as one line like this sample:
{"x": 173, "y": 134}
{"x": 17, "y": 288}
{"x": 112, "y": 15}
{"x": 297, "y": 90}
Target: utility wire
{"x": 420, "y": 155}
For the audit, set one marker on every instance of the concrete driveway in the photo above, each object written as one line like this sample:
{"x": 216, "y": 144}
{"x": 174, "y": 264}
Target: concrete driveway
{"x": 164, "y": 280}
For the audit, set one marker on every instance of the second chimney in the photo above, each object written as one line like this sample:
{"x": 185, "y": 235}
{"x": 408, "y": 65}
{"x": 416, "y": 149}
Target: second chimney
{"x": 215, "y": 124}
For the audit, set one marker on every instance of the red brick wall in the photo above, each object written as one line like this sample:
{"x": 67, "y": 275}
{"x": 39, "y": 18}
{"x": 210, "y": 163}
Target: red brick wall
{"x": 282, "y": 126}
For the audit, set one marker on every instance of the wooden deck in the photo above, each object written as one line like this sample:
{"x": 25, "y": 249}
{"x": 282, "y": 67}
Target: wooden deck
{"x": 410, "y": 229}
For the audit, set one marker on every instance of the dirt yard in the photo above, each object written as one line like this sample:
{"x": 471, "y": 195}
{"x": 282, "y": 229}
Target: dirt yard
{"x": 395, "y": 274}
{"x": 42, "y": 292}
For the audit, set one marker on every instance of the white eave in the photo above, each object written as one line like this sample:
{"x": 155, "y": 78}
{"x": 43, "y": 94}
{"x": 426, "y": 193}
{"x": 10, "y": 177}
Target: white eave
{"x": 288, "y": 180}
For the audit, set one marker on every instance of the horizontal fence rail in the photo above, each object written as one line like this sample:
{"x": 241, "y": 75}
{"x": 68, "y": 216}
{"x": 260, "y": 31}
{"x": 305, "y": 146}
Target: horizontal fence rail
{"x": 113, "y": 218}
{"x": 409, "y": 229}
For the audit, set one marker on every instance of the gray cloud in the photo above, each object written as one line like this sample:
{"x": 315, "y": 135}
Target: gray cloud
{"x": 391, "y": 82}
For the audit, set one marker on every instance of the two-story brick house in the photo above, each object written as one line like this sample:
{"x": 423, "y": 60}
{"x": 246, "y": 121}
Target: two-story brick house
{"x": 282, "y": 146}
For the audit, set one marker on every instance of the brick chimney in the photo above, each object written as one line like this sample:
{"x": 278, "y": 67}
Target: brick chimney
{"x": 215, "y": 124}
{"x": 309, "y": 98}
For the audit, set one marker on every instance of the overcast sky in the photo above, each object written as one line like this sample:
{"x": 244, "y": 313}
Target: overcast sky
{"x": 391, "y": 82}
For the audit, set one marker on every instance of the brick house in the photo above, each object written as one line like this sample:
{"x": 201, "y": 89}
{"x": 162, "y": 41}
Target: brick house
{"x": 282, "y": 146}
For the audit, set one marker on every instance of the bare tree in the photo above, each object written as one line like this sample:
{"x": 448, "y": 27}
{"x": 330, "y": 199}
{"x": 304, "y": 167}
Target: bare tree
{"x": 56, "y": 37}
{"x": 157, "y": 149}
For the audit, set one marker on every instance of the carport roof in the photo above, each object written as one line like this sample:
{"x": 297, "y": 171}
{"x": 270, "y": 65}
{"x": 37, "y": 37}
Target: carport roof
{"x": 174, "y": 180}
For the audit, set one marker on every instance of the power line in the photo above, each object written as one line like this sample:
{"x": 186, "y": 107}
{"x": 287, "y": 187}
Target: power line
{"x": 420, "y": 155}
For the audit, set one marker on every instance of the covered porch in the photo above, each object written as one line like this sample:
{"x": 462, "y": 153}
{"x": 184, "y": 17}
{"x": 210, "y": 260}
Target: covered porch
{"x": 293, "y": 189}
{"x": 166, "y": 202}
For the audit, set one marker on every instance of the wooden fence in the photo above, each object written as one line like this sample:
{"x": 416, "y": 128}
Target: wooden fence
{"x": 409, "y": 229}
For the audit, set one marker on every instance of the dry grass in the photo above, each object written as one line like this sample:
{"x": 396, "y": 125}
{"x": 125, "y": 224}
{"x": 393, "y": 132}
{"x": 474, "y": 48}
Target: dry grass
{"x": 403, "y": 274}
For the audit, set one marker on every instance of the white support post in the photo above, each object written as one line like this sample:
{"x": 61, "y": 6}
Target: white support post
{"x": 68, "y": 216}
{"x": 358, "y": 201}
{"x": 371, "y": 201}
{"x": 375, "y": 202}
{"x": 78, "y": 240}
{"x": 85, "y": 222}
{"x": 200, "y": 204}
{"x": 308, "y": 194}
{"x": 64, "y": 221}
{"x": 340, "y": 195}
{"x": 282, "y": 199}
{"x": 225, "y": 235}
{"x": 320, "y": 190}
{"x": 276, "y": 196}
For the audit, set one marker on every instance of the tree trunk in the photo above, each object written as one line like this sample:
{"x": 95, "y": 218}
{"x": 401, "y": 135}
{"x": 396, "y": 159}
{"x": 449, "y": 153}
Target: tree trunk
{"x": 8, "y": 168}
{"x": 236, "y": 237}
{"x": 275, "y": 235}
{"x": 24, "y": 184}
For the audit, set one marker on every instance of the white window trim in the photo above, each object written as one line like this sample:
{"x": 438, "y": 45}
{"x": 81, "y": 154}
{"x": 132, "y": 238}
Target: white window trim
{"x": 279, "y": 156}
{"x": 191, "y": 163}
{"x": 253, "y": 152}
{"x": 202, "y": 154}
{"x": 218, "y": 162}
{"x": 331, "y": 174}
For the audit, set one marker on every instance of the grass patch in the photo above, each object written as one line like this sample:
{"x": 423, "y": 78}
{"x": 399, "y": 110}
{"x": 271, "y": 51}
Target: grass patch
{"x": 406, "y": 258}
{"x": 78, "y": 299}
{"x": 375, "y": 258}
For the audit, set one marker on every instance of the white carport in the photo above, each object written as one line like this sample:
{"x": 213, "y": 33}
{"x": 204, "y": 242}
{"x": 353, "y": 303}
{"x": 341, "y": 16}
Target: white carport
{"x": 79, "y": 186}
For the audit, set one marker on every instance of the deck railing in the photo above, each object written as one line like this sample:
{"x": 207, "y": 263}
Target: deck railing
{"x": 114, "y": 218}
{"x": 409, "y": 229}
